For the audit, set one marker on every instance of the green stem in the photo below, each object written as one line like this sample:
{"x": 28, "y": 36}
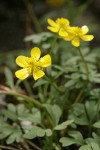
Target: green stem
{"x": 90, "y": 122}
{"x": 34, "y": 101}
{"x": 90, "y": 129}
{"x": 98, "y": 105}
{"x": 46, "y": 89}
{"x": 28, "y": 88}
{"x": 51, "y": 142}
{"x": 53, "y": 84}
{"x": 53, "y": 44}
{"x": 79, "y": 95}
{"x": 87, "y": 75}
{"x": 32, "y": 15}
{"x": 85, "y": 64}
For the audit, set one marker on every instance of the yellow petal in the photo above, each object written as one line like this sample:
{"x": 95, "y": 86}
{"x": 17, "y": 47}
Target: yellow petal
{"x": 62, "y": 21}
{"x": 87, "y": 37}
{"x": 38, "y": 74}
{"x": 53, "y": 29}
{"x": 63, "y": 33}
{"x": 85, "y": 29}
{"x": 22, "y": 74}
{"x": 51, "y": 22}
{"x": 68, "y": 38}
{"x": 22, "y": 61}
{"x": 44, "y": 61}
{"x": 76, "y": 42}
{"x": 35, "y": 53}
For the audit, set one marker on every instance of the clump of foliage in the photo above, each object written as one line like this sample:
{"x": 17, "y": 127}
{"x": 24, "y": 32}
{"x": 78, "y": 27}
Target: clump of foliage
{"x": 60, "y": 109}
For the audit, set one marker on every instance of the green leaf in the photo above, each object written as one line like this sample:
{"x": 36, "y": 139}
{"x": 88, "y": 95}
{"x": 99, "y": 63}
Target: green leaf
{"x": 85, "y": 147}
{"x": 71, "y": 83}
{"x": 20, "y": 109}
{"x": 3, "y": 135}
{"x": 95, "y": 139}
{"x": 95, "y": 93}
{"x": 77, "y": 136}
{"x": 63, "y": 125}
{"x": 15, "y": 136}
{"x": 25, "y": 115}
{"x": 67, "y": 141}
{"x": 40, "y": 82}
{"x": 9, "y": 77}
{"x": 95, "y": 136}
{"x": 38, "y": 38}
{"x": 10, "y": 115}
{"x": 48, "y": 132}
{"x": 94, "y": 146}
{"x": 46, "y": 45}
{"x": 40, "y": 132}
{"x": 37, "y": 132}
{"x": 78, "y": 114}
{"x": 5, "y": 130}
{"x": 96, "y": 124}
{"x": 12, "y": 108}
{"x": 94, "y": 77}
{"x": 91, "y": 108}
{"x": 91, "y": 146}
{"x": 31, "y": 134}
{"x": 82, "y": 120}
{"x": 54, "y": 111}
{"x": 11, "y": 139}
{"x": 56, "y": 147}
{"x": 36, "y": 115}
{"x": 10, "y": 112}
{"x": 10, "y": 61}
{"x": 12, "y": 134}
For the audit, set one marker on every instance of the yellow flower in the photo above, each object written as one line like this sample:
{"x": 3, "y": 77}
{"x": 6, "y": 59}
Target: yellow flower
{"x": 76, "y": 34}
{"x": 32, "y": 65}
{"x": 59, "y": 26}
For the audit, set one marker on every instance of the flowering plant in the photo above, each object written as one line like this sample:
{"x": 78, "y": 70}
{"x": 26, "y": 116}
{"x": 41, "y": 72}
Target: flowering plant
{"x": 73, "y": 34}
{"x": 32, "y": 65}
{"x": 58, "y": 108}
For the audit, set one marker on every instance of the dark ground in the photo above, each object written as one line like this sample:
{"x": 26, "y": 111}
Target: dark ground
{"x": 14, "y": 24}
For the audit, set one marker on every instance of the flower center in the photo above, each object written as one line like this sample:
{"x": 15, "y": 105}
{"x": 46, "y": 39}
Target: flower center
{"x": 33, "y": 65}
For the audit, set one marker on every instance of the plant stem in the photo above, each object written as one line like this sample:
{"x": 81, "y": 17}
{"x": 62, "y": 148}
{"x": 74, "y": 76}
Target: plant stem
{"x": 98, "y": 105}
{"x": 7, "y": 147}
{"x": 32, "y": 15}
{"x": 25, "y": 145}
{"x": 28, "y": 88}
{"x": 85, "y": 64}
{"x": 87, "y": 75}
{"x": 33, "y": 145}
{"x": 27, "y": 98}
{"x": 79, "y": 95}
{"x": 90, "y": 122}
{"x": 53, "y": 44}
{"x": 53, "y": 84}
